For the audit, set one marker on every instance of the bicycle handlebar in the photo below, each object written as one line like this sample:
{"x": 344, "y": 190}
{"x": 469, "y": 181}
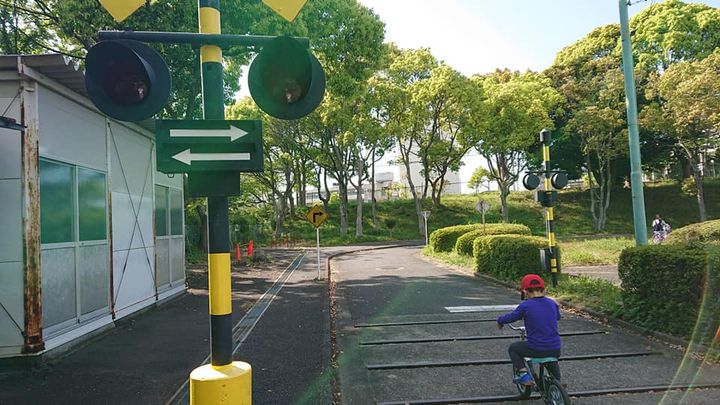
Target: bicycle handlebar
{"x": 515, "y": 327}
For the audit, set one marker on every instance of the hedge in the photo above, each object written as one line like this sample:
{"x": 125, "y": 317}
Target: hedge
{"x": 508, "y": 257}
{"x": 444, "y": 239}
{"x": 664, "y": 287}
{"x": 708, "y": 231}
{"x": 464, "y": 244}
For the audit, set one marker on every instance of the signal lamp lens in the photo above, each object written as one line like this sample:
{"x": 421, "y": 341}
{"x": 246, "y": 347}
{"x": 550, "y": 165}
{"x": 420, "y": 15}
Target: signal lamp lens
{"x": 126, "y": 82}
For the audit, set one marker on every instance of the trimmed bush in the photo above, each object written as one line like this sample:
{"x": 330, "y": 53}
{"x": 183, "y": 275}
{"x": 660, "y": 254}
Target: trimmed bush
{"x": 664, "y": 286}
{"x": 708, "y": 231}
{"x": 464, "y": 244}
{"x": 443, "y": 239}
{"x": 508, "y": 257}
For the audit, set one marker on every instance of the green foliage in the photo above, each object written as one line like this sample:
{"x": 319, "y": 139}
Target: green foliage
{"x": 708, "y": 231}
{"x": 464, "y": 244}
{"x": 508, "y": 257}
{"x": 479, "y": 178}
{"x": 443, "y": 239}
{"x": 688, "y": 186}
{"x": 664, "y": 286}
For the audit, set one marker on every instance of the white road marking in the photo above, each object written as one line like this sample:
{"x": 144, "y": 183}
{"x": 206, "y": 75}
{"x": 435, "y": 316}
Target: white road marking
{"x": 481, "y": 308}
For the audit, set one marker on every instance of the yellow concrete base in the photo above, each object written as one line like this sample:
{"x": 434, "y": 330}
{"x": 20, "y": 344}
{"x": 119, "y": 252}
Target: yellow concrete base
{"x": 230, "y": 384}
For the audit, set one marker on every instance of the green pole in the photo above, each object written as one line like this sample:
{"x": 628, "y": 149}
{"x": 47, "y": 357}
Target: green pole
{"x": 638, "y": 200}
{"x": 223, "y": 380}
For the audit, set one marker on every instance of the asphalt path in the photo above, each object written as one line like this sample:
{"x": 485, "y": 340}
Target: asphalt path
{"x": 464, "y": 355}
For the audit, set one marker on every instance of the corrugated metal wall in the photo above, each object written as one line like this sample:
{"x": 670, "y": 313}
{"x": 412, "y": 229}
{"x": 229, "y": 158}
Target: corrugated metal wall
{"x": 11, "y": 257}
{"x": 97, "y": 189}
{"x": 73, "y": 191}
{"x": 131, "y": 164}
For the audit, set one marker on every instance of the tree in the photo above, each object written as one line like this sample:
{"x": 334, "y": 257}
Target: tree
{"x": 687, "y": 108}
{"x": 480, "y": 177}
{"x": 400, "y": 115}
{"x": 602, "y": 139}
{"x": 349, "y": 45}
{"x": 520, "y": 105}
{"x": 452, "y": 105}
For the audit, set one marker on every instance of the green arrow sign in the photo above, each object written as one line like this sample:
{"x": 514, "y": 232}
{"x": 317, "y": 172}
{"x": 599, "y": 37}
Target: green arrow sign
{"x": 202, "y": 146}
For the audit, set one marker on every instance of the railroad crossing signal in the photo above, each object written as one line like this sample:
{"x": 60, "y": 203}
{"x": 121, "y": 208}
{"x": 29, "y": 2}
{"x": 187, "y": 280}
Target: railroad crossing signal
{"x": 211, "y": 145}
{"x": 547, "y": 197}
{"x": 317, "y": 216}
{"x": 129, "y": 81}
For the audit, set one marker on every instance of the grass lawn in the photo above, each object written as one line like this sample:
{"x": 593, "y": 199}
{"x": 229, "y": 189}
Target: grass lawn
{"x": 596, "y": 251}
{"x": 600, "y": 295}
{"x": 397, "y": 219}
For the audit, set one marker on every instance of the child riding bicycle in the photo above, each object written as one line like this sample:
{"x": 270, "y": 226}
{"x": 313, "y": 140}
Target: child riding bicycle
{"x": 540, "y": 315}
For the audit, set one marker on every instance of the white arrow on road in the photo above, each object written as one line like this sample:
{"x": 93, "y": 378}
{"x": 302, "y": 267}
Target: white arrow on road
{"x": 234, "y": 133}
{"x": 188, "y": 157}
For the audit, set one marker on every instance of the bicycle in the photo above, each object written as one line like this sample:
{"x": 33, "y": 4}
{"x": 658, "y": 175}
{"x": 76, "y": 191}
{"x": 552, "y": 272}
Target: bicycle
{"x": 543, "y": 382}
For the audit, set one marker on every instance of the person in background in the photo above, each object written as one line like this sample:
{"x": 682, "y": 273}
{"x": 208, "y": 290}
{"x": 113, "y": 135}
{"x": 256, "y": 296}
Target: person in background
{"x": 660, "y": 228}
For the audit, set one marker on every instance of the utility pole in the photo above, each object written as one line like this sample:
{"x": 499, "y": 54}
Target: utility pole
{"x": 636, "y": 185}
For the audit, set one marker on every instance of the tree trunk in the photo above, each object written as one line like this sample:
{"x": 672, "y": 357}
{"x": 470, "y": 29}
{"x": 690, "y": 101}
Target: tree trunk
{"x": 359, "y": 212}
{"x": 418, "y": 202}
{"x": 700, "y": 194}
{"x": 202, "y": 213}
{"x": 325, "y": 200}
{"x": 504, "y": 192}
{"x": 302, "y": 192}
{"x": 343, "y": 190}
{"x": 279, "y": 215}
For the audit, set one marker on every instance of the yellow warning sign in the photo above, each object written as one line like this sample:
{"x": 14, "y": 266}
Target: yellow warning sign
{"x": 288, "y": 9}
{"x": 121, "y": 9}
{"x": 317, "y": 216}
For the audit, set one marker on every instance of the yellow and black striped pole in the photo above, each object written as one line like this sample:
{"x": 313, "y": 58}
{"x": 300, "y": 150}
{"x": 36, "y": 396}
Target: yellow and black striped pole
{"x": 224, "y": 381}
{"x": 550, "y": 200}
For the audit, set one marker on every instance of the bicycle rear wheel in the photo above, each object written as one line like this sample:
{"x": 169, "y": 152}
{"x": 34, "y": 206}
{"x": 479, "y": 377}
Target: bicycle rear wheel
{"x": 554, "y": 393}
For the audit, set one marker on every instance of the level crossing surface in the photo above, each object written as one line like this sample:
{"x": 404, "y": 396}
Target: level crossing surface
{"x": 398, "y": 342}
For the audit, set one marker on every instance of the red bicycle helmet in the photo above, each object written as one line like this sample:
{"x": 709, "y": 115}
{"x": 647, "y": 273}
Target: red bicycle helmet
{"x": 531, "y": 281}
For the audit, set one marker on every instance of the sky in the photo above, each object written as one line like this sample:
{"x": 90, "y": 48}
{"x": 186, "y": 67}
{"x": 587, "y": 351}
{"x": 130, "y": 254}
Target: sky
{"x": 479, "y": 36}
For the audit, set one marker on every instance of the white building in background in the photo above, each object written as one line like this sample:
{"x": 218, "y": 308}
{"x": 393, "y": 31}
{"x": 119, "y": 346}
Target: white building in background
{"x": 91, "y": 231}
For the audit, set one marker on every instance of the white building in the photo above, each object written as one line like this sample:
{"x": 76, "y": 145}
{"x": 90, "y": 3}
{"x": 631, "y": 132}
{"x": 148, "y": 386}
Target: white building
{"x": 91, "y": 231}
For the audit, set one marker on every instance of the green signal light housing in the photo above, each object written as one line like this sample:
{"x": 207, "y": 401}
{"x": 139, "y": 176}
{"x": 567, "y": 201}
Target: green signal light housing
{"x": 286, "y": 80}
{"x": 126, "y": 79}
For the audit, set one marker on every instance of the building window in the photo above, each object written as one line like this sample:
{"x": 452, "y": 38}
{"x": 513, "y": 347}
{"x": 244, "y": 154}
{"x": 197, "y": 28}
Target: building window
{"x": 176, "y": 212}
{"x": 91, "y": 203}
{"x": 63, "y": 188}
{"x": 168, "y": 211}
{"x": 161, "y": 211}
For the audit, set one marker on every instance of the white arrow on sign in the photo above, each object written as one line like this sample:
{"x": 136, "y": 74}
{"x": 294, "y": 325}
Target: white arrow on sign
{"x": 234, "y": 133}
{"x": 188, "y": 157}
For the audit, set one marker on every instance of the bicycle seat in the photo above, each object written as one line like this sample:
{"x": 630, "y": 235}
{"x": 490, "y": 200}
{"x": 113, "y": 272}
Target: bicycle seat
{"x": 541, "y": 360}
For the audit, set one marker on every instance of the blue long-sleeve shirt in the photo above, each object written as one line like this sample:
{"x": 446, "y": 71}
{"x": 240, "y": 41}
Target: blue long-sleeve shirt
{"x": 540, "y": 315}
